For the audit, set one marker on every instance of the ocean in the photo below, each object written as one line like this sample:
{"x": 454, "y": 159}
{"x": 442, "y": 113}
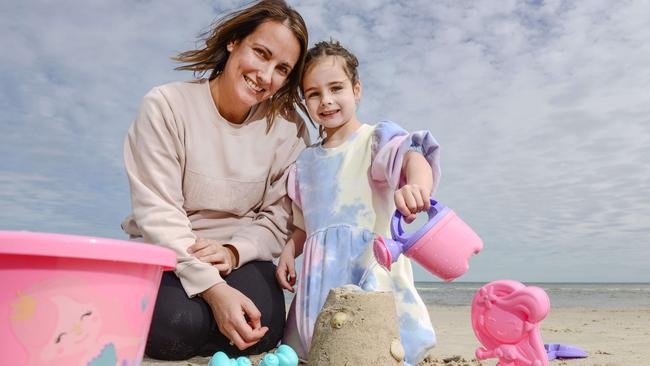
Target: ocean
{"x": 588, "y": 295}
{"x": 593, "y": 295}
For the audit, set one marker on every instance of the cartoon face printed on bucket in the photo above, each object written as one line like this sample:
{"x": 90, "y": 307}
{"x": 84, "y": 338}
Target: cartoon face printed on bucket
{"x": 60, "y": 322}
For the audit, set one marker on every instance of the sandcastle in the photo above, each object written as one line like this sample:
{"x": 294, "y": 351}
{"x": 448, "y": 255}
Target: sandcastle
{"x": 356, "y": 328}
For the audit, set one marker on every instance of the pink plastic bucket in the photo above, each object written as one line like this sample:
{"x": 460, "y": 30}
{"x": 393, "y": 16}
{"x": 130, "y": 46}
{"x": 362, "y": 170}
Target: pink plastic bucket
{"x": 73, "y": 300}
{"x": 443, "y": 246}
{"x": 446, "y": 248}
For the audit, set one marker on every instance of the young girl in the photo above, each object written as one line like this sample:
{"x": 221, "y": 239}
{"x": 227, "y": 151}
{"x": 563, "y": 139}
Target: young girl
{"x": 344, "y": 191}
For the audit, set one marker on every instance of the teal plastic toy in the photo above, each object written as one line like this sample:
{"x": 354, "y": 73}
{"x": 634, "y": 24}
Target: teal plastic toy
{"x": 283, "y": 356}
{"x": 221, "y": 359}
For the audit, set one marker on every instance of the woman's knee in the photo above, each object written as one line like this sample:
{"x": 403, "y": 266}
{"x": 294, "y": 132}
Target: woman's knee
{"x": 257, "y": 281}
{"x": 180, "y": 325}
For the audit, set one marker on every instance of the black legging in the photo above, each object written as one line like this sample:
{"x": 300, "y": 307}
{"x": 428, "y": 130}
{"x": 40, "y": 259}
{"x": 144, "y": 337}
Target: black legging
{"x": 184, "y": 327}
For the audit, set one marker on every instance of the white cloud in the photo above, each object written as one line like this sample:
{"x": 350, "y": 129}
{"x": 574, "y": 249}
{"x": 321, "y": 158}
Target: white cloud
{"x": 541, "y": 108}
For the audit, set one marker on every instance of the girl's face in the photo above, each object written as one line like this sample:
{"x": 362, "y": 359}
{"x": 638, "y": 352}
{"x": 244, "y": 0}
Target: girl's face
{"x": 330, "y": 97}
{"x": 259, "y": 64}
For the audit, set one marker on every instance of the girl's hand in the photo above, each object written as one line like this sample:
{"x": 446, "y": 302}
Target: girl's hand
{"x": 286, "y": 271}
{"x": 210, "y": 251}
{"x": 236, "y": 315}
{"x": 411, "y": 199}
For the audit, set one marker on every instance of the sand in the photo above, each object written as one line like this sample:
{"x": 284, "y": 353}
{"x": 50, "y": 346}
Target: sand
{"x": 612, "y": 337}
{"x": 348, "y": 313}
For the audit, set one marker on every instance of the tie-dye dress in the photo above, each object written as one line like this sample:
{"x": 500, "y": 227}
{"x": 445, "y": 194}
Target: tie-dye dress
{"x": 342, "y": 198}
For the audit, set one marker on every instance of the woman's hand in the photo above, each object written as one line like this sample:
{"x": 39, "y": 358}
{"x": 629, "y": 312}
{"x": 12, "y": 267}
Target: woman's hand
{"x": 237, "y": 317}
{"x": 286, "y": 271}
{"x": 411, "y": 199}
{"x": 211, "y": 251}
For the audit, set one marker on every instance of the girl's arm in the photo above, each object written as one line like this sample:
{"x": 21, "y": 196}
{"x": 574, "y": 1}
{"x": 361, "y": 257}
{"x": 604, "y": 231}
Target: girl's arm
{"x": 286, "y": 271}
{"x": 413, "y": 197}
{"x": 298, "y": 240}
{"x": 408, "y": 163}
{"x": 416, "y": 170}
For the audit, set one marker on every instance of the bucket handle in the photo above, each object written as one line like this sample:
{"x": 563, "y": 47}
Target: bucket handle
{"x": 435, "y": 213}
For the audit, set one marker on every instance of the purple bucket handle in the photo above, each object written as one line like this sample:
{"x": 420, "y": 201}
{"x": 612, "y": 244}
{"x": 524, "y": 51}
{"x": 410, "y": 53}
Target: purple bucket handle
{"x": 436, "y": 212}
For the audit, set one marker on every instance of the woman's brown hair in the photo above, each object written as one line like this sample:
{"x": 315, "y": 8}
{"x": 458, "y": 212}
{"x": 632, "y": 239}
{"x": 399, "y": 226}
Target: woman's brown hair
{"x": 237, "y": 26}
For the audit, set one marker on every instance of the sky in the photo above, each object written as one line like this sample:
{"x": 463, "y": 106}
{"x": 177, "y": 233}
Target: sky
{"x": 541, "y": 108}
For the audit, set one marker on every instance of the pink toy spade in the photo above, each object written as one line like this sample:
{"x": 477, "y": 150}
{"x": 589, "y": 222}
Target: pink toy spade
{"x": 505, "y": 317}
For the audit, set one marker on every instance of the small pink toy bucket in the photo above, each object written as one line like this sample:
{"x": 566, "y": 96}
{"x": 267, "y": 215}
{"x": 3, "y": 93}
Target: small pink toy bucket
{"x": 443, "y": 246}
{"x": 73, "y": 300}
{"x": 445, "y": 250}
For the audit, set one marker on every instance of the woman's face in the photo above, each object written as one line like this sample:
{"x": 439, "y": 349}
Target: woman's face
{"x": 259, "y": 64}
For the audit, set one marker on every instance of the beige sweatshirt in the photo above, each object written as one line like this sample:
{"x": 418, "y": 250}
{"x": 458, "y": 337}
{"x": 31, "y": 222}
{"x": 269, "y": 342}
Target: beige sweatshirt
{"x": 194, "y": 174}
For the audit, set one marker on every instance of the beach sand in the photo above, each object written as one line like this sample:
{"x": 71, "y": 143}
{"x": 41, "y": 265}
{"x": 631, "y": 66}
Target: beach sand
{"x": 612, "y": 337}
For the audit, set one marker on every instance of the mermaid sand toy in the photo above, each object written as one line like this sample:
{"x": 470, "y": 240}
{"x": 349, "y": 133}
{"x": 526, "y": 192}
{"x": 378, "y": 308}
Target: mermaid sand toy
{"x": 505, "y": 318}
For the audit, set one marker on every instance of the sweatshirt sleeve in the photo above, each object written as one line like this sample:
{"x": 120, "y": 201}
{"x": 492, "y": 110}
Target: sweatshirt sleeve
{"x": 294, "y": 194}
{"x": 270, "y": 229}
{"x": 154, "y": 158}
{"x": 390, "y": 145}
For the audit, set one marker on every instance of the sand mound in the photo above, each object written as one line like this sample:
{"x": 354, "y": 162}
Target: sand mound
{"x": 356, "y": 328}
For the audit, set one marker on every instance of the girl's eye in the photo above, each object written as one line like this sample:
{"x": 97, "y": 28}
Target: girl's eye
{"x": 337, "y": 88}
{"x": 58, "y": 338}
{"x": 312, "y": 95}
{"x": 259, "y": 52}
{"x": 88, "y": 313}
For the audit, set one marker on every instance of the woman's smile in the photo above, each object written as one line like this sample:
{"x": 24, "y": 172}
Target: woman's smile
{"x": 256, "y": 88}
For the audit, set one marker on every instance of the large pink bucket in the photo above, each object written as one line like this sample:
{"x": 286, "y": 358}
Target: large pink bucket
{"x": 73, "y": 300}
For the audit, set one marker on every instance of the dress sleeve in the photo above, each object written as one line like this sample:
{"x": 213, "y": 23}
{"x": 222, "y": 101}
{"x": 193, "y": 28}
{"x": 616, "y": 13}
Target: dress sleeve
{"x": 154, "y": 157}
{"x": 390, "y": 143}
{"x": 270, "y": 229}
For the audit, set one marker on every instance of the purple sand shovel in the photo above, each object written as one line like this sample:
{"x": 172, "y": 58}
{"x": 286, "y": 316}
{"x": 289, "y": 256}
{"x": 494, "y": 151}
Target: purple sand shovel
{"x": 561, "y": 351}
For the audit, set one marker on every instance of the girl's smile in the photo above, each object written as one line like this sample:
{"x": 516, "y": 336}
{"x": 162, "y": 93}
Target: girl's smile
{"x": 329, "y": 114}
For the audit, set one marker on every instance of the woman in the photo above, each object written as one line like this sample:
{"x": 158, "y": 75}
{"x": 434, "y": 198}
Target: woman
{"x": 206, "y": 161}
